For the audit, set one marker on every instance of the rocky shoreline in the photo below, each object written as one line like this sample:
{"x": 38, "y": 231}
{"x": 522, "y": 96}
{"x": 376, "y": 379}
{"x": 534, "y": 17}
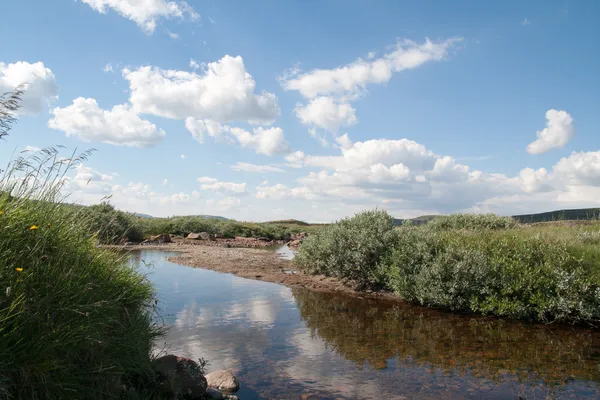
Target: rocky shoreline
{"x": 183, "y": 377}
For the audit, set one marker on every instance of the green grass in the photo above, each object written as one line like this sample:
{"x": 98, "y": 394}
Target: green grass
{"x": 468, "y": 263}
{"x": 76, "y": 321}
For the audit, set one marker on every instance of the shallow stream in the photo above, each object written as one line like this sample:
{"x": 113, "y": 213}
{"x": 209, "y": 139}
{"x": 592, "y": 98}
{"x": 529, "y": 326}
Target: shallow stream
{"x": 287, "y": 343}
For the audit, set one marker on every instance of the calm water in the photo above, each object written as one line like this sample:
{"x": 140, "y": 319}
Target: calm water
{"x": 285, "y": 343}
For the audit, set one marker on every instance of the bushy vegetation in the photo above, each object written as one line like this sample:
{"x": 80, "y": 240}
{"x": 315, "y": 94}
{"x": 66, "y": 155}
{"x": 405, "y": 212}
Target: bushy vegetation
{"x": 111, "y": 226}
{"x": 76, "y": 321}
{"x": 185, "y": 225}
{"x": 352, "y": 248}
{"x": 468, "y": 263}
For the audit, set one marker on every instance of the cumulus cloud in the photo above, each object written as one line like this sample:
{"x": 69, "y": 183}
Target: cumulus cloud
{"x": 226, "y": 204}
{"x": 326, "y": 113}
{"x": 535, "y": 180}
{"x": 580, "y": 168}
{"x": 145, "y": 13}
{"x": 201, "y": 127}
{"x": 267, "y": 141}
{"x": 353, "y": 78}
{"x": 231, "y": 188}
{"x": 558, "y": 131}
{"x": 38, "y": 80}
{"x": 247, "y": 167}
{"x": 222, "y": 92}
{"x": 119, "y": 126}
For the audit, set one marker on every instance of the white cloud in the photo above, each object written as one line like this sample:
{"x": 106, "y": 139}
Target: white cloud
{"x": 280, "y": 192}
{"x": 31, "y": 149}
{"x": 119, "y": 126}
{"x": 212, "y": 184}
{"x": 223, "y": 92}
{"x": 446, "y": 169}
{"x": 581, "y": 168}
{"x": 145, "y": 13}
{"x": 182, "y": 156}
{"x": 344, "y": 141}
{"x": 322, "y": 141}
{"x": 108, "y": 68}
{"x": 558, "y": 131}
{"x": 247, "y": 167}
{"x": 353, "y": 78}
{"x": 325, "y": 112}
{"x": 267, "y": 141}
{"x": 227, "y": 204}
{"x": 172, "y": 35}
{"x": 165, "y": 182}
{"x": 39, "y": 81}
{"x": 198, "y": 128}
{"x": 194, "y": 64}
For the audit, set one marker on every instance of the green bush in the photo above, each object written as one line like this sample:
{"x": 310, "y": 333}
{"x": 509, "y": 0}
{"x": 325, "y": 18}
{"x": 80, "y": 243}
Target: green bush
{"x": 111, "y": 226}
{"x": 471, "y": 221}
{"x": 352, "y": 248}
{"x": 507, "y": 273}
{"x": 76, "y": 321}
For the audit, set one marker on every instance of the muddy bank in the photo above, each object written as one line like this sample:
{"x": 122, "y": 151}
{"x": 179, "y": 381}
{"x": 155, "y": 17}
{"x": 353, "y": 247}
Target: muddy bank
{"x": 253, "y": 263}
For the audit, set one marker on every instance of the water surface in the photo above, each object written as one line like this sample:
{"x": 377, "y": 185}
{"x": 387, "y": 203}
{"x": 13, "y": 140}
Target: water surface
{"x": 287, "y": 343}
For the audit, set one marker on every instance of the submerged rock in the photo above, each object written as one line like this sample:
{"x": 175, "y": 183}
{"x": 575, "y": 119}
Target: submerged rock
{"x": 183, "y": 374}
{"x": 213, "y": 393}
{"x": 223, "y": 380}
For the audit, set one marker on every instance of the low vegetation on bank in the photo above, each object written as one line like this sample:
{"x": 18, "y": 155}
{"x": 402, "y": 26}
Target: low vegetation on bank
{"x": 112, "y": 226}
{"x": 468, "y": 263}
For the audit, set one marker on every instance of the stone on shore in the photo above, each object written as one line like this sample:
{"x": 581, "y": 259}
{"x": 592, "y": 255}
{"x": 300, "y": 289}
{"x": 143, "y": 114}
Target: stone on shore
{"x": 223, "y": 380}
{"x": 184, "y": 375}
{"x": 213, "y": 393}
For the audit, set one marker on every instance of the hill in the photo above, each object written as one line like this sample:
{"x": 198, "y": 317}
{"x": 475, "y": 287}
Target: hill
{"x": 560, "y": 215}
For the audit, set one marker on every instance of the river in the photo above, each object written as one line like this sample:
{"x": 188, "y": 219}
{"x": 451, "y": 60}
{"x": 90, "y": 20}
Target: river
{"x": 287, "y": 343}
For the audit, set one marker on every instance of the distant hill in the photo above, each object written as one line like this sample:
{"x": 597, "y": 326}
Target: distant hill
{"x": 423, "y": 219}
{"x": 560, "y": 215}
{"x": 289, "y": 222}
{"x": 143, "y": 215}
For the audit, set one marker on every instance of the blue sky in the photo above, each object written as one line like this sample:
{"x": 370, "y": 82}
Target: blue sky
{"x": 329, "y": 107}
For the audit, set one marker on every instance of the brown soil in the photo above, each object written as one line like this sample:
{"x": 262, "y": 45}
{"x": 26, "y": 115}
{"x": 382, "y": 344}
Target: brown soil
{"x": 251, "y": 263}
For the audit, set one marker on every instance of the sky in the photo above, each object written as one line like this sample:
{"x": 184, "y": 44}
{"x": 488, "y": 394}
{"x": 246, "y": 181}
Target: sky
{"x": 313, "y": 110}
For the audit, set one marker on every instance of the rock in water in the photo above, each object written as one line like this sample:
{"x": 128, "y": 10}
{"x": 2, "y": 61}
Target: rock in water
{"x": 223, "y": 380}
{"x": 184, "y": 374}
{"x": 213, "y": 394}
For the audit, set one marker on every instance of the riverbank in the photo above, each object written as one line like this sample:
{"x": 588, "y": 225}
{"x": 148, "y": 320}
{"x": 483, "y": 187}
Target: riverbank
{"x": 252, "y": 263}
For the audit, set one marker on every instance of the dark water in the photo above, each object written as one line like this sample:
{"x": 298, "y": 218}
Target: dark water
{"x": 285, "y": 343}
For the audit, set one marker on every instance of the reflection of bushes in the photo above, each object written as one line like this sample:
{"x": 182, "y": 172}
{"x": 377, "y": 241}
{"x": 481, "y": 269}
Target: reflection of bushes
{"x": 369, "y": 332}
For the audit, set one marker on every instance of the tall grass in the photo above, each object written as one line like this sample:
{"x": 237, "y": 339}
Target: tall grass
{"x": 76, "y": 321}
{"x": 468, "y": 263}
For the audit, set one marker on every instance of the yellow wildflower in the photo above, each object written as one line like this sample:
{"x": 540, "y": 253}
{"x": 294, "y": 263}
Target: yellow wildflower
{"x": 19, "y": 269}
{"x": 48, "y": 225}
{"x": 1, "y": 212}
{"x": 33, "y": 227}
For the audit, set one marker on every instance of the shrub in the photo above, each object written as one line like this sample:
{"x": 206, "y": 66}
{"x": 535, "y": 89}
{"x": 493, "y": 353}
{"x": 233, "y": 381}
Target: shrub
{"x": 111, "y": 226}
{"x": 506, "y": 273}
{"x": 76, "y": 321}
{"x": 471, "y": 221}
{"x": 350, "y": 249}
